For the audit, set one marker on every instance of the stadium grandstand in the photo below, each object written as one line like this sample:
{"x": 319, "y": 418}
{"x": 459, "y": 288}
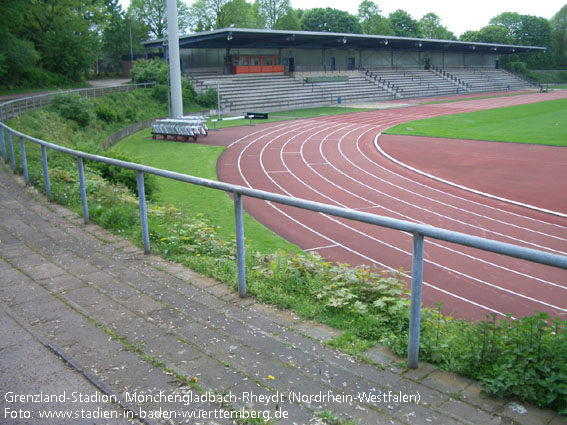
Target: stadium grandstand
{"x": 274, "y": 70}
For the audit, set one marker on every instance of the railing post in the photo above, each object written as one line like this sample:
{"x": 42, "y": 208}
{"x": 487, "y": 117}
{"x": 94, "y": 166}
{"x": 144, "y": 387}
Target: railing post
{"x": 240, "y": 259}
{"x": 2, "y": 143}
{"x": 415, "y": 314}
{"x": 24, "y": 161}
{"x": 143, "y": 211}
{"x": 11, "y": 147}
{"x": 45, "y": 172}
{"x": 83, "y": 189}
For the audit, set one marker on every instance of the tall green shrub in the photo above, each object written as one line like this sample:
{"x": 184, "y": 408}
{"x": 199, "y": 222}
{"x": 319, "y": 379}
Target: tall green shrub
{"x": 150, "y": 71}
{"x": 73, "y": 107}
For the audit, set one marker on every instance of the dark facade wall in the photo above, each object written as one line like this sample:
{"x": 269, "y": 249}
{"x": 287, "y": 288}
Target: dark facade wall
{"x": 307, "y": 60}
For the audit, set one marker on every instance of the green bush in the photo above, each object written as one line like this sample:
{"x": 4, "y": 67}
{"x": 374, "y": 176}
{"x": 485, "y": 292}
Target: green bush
{"x": 150, "y": 71}
{"x": 122, "y": 176}
{"x": 73, "y": 107}
{"x": 160, "y": 93}
{"x": 131, "y": 114}
{"x": 106, "y": 113}
{"x": 524, "y": 358}
{"x": 38, "y": 78}
{"x": 208, "y": 99}
{"x": 188, "y": 91}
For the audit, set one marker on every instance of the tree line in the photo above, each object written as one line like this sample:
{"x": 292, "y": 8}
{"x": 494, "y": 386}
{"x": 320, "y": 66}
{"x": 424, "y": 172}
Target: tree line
{"x": 53, "y": 42}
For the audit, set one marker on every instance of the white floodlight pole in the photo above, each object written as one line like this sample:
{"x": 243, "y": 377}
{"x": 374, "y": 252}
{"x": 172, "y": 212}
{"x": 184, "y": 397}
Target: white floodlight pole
{"x": 174, "y": 63}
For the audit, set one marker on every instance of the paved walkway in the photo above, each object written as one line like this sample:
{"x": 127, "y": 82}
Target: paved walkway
{"x": 94, "y": 329}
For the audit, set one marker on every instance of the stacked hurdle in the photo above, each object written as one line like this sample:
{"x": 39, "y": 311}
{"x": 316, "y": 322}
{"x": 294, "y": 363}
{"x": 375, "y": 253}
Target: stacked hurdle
{"x": 180, "y": 129}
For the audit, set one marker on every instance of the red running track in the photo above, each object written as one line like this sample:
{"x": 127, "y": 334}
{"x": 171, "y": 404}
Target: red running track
{"x": 335, "y": 160}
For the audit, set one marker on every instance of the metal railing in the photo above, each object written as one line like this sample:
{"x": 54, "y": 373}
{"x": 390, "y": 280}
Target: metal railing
{"x": 19, "y": 106}
{"x": 419, "y": 231}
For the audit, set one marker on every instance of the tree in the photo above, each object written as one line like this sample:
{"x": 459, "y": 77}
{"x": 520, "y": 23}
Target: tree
{"x": 372, "y": 20}
{"x": 511, "y": 21}
{"x": 289, "y": 22}
{"x": 16, "y": 55}
{"x": 559, "y": 37}
{"x": 64, "y": 32}
{"x": 534, "y": 31}
{"x": 208, "y": 15}
{"x": 153, "y": 14}
{"x": 489, "y": 34}
{"x": 257, "y": 20}
{"x": 430, "y": 26}
{"x": 524, "y": 30}
{"x": 235, "y": 13}
{"x": 273, "y": 10}
{"x": 115, "y": 36}
{"x": 202, "y": 17}
{"x": 330, "y": 20}
{"x": 404, "y": 25}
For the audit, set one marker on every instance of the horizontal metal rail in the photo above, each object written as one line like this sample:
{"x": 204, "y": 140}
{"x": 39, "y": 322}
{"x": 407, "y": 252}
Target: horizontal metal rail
{"x": 419, "y": 231}
{"x": 16, "y": 107}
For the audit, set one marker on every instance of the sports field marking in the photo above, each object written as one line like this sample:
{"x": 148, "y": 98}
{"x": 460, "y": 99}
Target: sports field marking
{"x": 449, "y": 269}
{"x": 266, "y": 146}
{"x": 480, "y": 210}
{"x": 410, "y": 204}
{"x": 336, "y": 243}
{"x": 409, "y": 218}
{"x": 469, "y": 189}
{"x": 476, "y": 204}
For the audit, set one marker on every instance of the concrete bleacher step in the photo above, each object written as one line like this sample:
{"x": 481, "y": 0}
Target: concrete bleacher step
{"x": 270, "y": 92}
{"x": 277, "y": 91}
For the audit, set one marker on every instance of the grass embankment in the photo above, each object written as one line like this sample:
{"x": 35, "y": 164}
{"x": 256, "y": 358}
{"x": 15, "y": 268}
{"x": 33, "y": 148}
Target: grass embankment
{"x": 526, "y": 358}
{"x": 541, "y": 123}
{"x": 196, "y": 160}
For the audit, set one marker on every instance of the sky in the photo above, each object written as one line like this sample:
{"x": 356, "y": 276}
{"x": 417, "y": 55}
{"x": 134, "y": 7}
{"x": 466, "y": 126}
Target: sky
{"x": 457, "y": 16}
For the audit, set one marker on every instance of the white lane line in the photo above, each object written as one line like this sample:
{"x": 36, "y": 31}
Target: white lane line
{"x": 483, "y": 282}
{"x": 392, "y": 120}
{"x": 375, "y": 205}
{"x": 469, "y": 189}
{"x": 401, "y": 120}
{"x": 364, "y": 257}
{"x": 445, "y": 204}
{"x": 320, "y": 248}
{"x": 355, "y": 252}
{"x": 359, "y": 254}
{"x": 395, "y": 212}
{"x": 364, "y": 234}
{"x": 336, "y": 186}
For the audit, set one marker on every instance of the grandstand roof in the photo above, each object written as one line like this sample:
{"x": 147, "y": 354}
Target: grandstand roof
{"x": 256, "y": 38}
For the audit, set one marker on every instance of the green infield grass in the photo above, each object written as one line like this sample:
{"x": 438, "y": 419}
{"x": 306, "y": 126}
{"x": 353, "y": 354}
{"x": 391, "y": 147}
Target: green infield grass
{"x": 200, "y": 161}
{"x": 286, "y": 115}
{"x": 543, "y": 123}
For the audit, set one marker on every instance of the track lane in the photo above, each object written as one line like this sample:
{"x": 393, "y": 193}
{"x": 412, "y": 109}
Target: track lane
{"x": 311, "y": 159}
